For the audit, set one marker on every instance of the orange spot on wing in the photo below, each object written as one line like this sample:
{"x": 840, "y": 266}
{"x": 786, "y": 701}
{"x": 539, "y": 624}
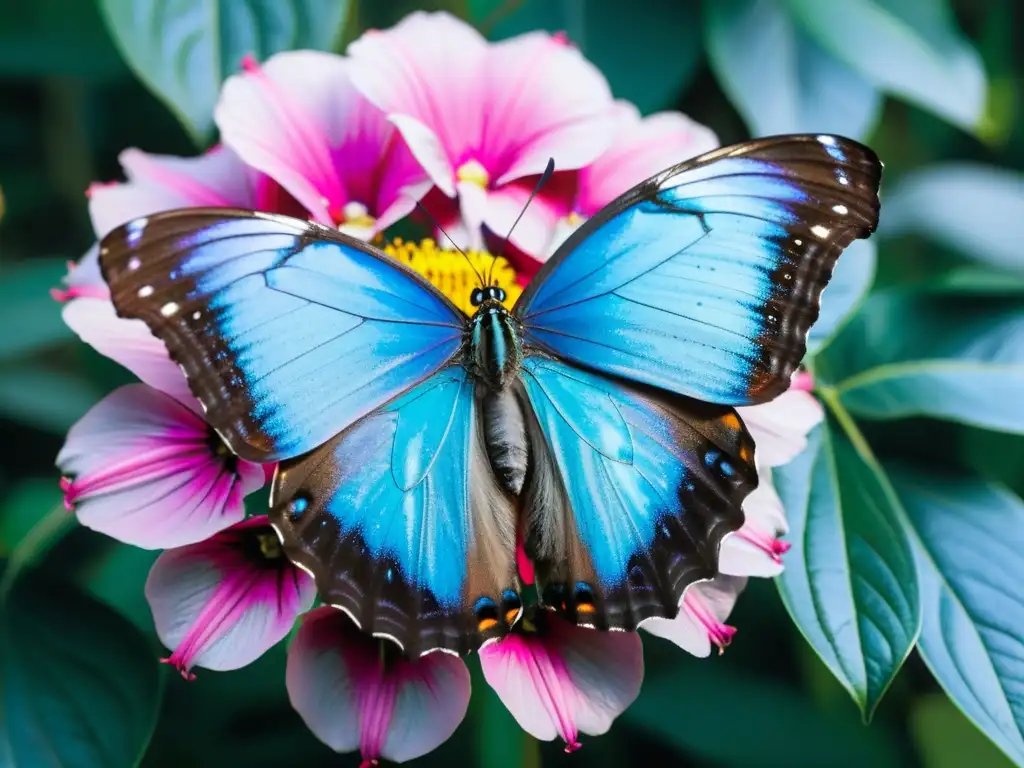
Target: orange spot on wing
{"x": 744, "y": 453}
{"x": 731, "y": 421}
{"x": 585, "y": 608}
{"x": 486, "y": 624}
{"x": 511, "y": 615}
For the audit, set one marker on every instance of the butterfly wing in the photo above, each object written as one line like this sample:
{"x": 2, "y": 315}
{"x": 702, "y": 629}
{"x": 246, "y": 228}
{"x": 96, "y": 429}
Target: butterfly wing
{"x": 630, "y": 495}
{"x": 287, "y": 331}
{"x": 705, "y": 279}
{"x": 402, "y": 523}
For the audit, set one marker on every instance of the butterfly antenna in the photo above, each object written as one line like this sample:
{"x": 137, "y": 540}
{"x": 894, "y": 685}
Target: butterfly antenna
{"x": 435, "y": 222}
{"x": 549, "y": 169}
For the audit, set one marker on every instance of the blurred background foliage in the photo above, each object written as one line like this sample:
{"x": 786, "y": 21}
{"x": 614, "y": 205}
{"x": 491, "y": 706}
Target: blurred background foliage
{"x": 924, "y": 386}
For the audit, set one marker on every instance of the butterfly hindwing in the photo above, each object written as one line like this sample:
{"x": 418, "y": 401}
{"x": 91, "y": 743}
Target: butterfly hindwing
{"x": 630, "y": 493}
{"x": 401, "y": 522}
{"x": 705, "y": 279}
{"x": 286, "y": 331}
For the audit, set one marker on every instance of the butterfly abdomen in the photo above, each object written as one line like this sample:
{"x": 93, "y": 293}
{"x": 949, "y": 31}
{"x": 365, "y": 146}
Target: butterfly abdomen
{"x": 495, "y": 350}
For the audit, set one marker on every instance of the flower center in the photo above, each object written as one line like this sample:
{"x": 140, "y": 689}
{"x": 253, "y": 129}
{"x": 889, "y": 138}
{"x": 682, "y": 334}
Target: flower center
{"x": 451, "y": 274}
{"x": 352, "y": 218}
{"x": 473, "y": 172}
{"x": 270, "y": 547}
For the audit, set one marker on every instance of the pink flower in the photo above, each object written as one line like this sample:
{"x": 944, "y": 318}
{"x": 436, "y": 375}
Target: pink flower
{"x": 558, "y": 679}
{"x": 142, "y": 465}
{"x": 299, "y": 120}
{"x": 641, "y": 148}
{"x": 702, "y": 613}
{"x": 481, "y": 117}
{"x": 358, "y": 692}
{"x": 143, "y": 468}
{"x": 221, "y": 603}
{"x": 83, "y": 279}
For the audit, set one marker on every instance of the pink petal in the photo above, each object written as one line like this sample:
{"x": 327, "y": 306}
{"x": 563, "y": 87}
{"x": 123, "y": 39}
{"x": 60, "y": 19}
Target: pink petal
{"x": 356, "y": 692}
{"x": 144, "y": 470}
{"x": 641, "y": 149}
{"x": 83, "y": 279}
{"x": 702, "y": 613}
{"x": 130, "y": 343}
{"x": 549, "y": 101}
{"x": 755, "y": 549}
{"x": 299, "y": 119}
{"x": 538, "y": 225}
{"x": 163, "y": 182}
{"x": 221, "y": 603}
{"x": 563, "y": 679}
{"x": 430, "y": 68}
{"x": 780, "y": 428}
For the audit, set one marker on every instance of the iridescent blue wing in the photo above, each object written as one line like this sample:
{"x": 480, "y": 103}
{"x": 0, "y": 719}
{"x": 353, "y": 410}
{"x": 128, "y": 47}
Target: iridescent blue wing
{"x": 630, "y": 493}
{"x": 402, "y": 523}
{"x": 287, "y": 331}
{"x": 705, "y": 279}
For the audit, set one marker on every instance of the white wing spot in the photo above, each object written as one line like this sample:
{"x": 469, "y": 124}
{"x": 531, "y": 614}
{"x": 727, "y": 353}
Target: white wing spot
{"x": 843, "y": 180}
{"x": 828, "y": 141}
{"x": 196, "y": 315}
{"x": 842, "y": 210}
{"x": 819, "y": 231}
{"x": 169, "y": 309}
{"x": 145, "y": 291}
{"x": 133, "y": 263}
{"x": 799, "y": 242}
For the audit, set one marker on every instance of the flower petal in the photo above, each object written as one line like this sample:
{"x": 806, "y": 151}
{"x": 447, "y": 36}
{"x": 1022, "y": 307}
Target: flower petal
{"x": 564, "y": 679}
{"x": 702, "y": 613}
{"x": 221, "y": 603}
{"x": 349, "y": 699}
{"x": 641, "y": 149}
{"x": 538, "y": 225}
{"x": 130, "y": 343}
{"x": 427, "y": 68}
{"x": 163, "y": 182}
{"x": 552, "y": 102}
{"x": 83, "y": 279}
{"x": 780, "y": 428}
{"x": 143, "y": 470}
{"x": 755, "y": 550}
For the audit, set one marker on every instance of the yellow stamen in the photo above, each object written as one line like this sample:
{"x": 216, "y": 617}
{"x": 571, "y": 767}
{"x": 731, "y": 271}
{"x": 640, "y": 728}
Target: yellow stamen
{"x": 270, "y": 547}
{"x": 574, "y": 219}
{"x": 451, "y": 274}
{"x": 474, "y": 173}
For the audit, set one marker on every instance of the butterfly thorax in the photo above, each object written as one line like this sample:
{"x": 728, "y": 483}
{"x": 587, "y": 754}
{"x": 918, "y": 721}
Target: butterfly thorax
{"x": 495, "y": 350}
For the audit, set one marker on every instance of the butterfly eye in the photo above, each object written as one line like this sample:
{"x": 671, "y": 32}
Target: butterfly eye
{"x": 498, "y": 294}
{"x": 476, "y": 298}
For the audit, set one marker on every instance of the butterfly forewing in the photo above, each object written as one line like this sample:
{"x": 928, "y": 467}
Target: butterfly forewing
{"x": 705, "y": 279}
{"x": 287, "y": 332}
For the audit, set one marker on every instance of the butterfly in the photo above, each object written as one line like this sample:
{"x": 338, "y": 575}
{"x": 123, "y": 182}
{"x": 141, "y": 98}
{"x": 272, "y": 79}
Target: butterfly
{"x": 595, "y": 421}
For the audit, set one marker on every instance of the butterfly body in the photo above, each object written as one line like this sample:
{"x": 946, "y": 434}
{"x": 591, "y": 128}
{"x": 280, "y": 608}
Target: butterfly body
{"x": 593, "y": 423}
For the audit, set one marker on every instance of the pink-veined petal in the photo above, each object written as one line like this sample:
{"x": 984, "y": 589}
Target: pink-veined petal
{"x": 549, "y": 101}
{"x": 780, "y": 428}
{"x": 564, "y": 679}
{"x": 83, "y": 279}
{"x": 221, "y": 603}
{"x": 538, "y": 224}
{"x": 474, "y": 205}
{"x": 354, "y": 694}
{"x": 144, "y": 469}
{"x": 130, "y": 343}
{"x": 702, "y": 613}
{"x": 755, "y": 549}
{"x": 164, "y": 182}
{"x": 641, "y": 148}
{"x": 428, "y": 68}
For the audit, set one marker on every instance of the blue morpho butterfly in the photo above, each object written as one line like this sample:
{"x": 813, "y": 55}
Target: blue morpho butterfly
{"x": 597, "y": 416}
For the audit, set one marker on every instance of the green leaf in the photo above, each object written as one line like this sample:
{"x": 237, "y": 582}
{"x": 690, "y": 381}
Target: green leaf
{"x": 946, "y": 739}
{"x": 635, "y": 64}
{"x": 942, "y": 355}
{"x": 976, "y": 209}
{"x": 850, "y": 282}
{"x": 44, "y": 398}
{"x": 697, "y": 705}
{"x": 907, "y": 48}
{"x": 30, "y": 317}
{"x": 183, "y": 50}
{"x": 81, "y": 687}
{"x": 500, "y": 742}
{"x": 849, "y": 582}
{"x": 781, "y": 80}
{"x": 969, "y": 548}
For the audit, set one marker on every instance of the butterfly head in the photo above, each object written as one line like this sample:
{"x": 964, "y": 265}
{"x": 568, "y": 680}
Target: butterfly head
{"x": 490, "y": 293}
